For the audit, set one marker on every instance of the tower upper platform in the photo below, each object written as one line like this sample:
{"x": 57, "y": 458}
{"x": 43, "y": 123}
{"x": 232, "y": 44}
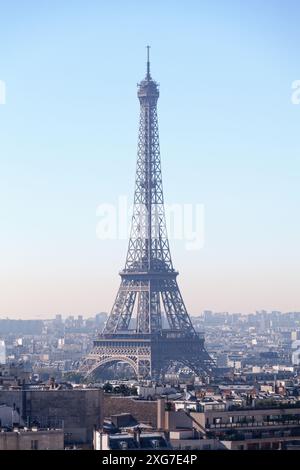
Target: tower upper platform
{"x": 148, "y": 92}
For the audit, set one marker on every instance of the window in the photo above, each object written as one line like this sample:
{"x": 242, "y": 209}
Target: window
{"x": 124, "y": 445}
{"x": 253, "y": 446}
{"x": 217, "y": 420}
{"x": 265, "y": 446}
{"x": 274, "y": 417}
{"x": 242, "y": 419}
{"x": 155, "y": 443}
{"x": 34, "y": 445}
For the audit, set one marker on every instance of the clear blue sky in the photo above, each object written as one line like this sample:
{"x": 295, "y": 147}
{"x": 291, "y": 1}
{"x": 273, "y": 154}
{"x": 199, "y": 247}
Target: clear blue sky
{"x": 229, "y": 139}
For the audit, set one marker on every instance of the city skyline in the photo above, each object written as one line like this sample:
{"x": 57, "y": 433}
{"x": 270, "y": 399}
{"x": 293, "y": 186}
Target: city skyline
{"x": 69, "y": 124}
{"x": 87, "y": 316}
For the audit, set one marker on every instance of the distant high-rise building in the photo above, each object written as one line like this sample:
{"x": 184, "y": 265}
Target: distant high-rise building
{"x": 2, "y": 352}
{"x": 295, "y": 335}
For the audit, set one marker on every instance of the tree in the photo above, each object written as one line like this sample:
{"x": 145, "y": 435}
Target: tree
{"x": 124, "y": 390}
{"x": 107, "y": 387}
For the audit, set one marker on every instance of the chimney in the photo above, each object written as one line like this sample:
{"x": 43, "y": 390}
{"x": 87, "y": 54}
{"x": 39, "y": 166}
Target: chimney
{"x": 161, "y": 405}
{"x": 137, "y": 436}
{"x": 52, "y": 383}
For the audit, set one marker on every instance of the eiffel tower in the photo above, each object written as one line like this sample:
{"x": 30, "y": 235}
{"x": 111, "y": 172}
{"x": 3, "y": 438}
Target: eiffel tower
{"x": 134, "y": 331}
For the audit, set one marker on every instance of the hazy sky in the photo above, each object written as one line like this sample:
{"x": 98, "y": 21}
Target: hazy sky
{"x": 229, "y": 140}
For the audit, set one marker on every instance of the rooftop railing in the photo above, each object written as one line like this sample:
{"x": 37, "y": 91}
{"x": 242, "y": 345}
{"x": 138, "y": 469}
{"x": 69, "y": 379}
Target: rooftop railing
{"x": 255, "y": 424}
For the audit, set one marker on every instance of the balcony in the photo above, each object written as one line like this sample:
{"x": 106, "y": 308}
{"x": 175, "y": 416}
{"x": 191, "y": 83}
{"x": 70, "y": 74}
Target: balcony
{"x": 266, "y": 405}
{"x": 242, "y": 436}
{"x": 256, "y": 424}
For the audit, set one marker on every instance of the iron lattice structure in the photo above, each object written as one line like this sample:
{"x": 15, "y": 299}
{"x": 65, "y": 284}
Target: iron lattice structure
{"x": 134, "y": 330}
